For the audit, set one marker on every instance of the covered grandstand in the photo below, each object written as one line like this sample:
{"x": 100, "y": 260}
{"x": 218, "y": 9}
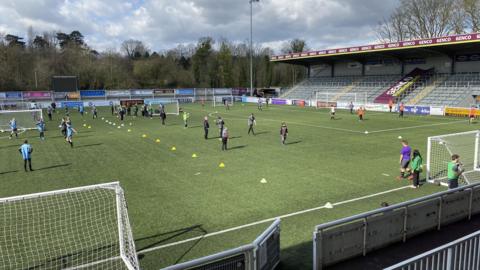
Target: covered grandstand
{"x": 441, "y": 71}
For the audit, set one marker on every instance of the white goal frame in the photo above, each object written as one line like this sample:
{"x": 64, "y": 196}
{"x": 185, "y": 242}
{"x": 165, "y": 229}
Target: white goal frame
{"x": 127, "y": 256}
{"x": 337, "y": 97}
{"x": 220, "y": 101}
{"x": 158, "y": 102}
{"x": 469, "y": 169}
{"x": 21, "y": 125}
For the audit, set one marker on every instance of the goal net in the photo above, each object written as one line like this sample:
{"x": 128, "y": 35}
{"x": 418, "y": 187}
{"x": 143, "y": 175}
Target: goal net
{"x": 222, "y": 100}
{"x": 171, "y": 106}
{"x": 441, "y": 148}
{"x": 327, "y": 99}
{"x": 26, "y": 119}
{"x": 78, "y": 228}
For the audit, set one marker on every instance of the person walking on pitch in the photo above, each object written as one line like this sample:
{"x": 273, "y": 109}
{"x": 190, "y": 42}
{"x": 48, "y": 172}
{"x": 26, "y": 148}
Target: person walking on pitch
{"x": 472, "y": 114}
{"x": 224, "y": 139}
{"x": 251, "y": 123}
{"x": 220, "y": 124}
{"x": 26, "y": 152}
{"x": 70, "y": 131}
{"x": 41, "y": 128}
{"x": 186, "y": 116}
{"x": 49, "y": 112}
{"x": 94, "y": 112}
{"x": 401, "y": 110}
{"x": 81, "y": 110}
{"x": 13, "y": 127}
{"x": 360, "y": 113}
{"x": 405, "y": 156}
{"x": 390, "y": 105}
{"x": 260, "y": 104}
{"x": 163, "y": 115}
{"x": 283, "y": 132}
{"x": 350, "y": 106}
{"x": 332, "y": 112}
{"x": 206, "y": 126}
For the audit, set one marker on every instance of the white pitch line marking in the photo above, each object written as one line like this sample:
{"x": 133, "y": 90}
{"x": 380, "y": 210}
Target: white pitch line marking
{"x": 419, "y": 126}
{"x": 267, "y": 220}
{"x": 385, "y": 174}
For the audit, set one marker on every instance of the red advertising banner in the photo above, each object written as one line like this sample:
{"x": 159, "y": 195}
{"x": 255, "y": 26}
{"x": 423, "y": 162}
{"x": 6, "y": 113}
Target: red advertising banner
{"x": 386, "y": 46}
{"x": 37, "y": 95}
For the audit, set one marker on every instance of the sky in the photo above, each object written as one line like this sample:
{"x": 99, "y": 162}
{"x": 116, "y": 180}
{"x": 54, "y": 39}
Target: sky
{"x": 164, "y": 24}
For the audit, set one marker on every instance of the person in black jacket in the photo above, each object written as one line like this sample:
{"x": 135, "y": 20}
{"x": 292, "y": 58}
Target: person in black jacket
{"x": 206, "y": 126}
{"x": 163, "y": 115}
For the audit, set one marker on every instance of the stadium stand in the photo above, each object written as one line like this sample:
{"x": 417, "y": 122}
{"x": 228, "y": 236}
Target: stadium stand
{"x": 441, "y": 71}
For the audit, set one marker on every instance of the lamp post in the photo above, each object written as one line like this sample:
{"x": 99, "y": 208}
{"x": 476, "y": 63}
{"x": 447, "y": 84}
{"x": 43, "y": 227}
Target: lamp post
{"x": 251, "y": 45}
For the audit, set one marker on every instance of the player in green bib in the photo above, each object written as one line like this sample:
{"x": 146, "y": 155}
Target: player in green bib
{"x": 454, "y": 170}
{"x": 416, "y": 167}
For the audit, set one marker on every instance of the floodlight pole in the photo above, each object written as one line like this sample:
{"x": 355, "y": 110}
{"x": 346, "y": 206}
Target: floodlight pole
{"x": 251, "y": 45}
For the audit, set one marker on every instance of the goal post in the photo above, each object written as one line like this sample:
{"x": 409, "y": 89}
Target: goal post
{"x": 327, "y": 99}
{"x": 26, "y": 119}
{"x": 221, "y": 100}
{"x": 171, "y": 106}
{"x": 441, "y": 148}
{"x": 78, "y": 228}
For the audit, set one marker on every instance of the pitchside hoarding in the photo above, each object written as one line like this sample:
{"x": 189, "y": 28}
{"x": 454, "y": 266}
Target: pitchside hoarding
{"x": 118, "y": 93}
{"x": 142, "y": 92}
{"x": 419, "y": 110}
{"x": 92, "y": 93}
{"x": 184, "y": 92}
{"x": 164, "y": 92}
{"x": 71, "y": 104}
{"x": 3, "y": 95}
{"x": 13, "y": 95}
{"x": 37, "y": 95}
{"x": 276, "y": 101}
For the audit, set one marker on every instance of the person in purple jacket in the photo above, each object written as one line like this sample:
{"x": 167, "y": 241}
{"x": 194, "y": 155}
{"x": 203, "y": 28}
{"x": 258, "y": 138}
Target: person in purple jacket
{"x": 405, "y": 156}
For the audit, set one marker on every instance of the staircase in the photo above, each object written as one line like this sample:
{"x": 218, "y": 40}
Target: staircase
{"x": 427, "y": 90}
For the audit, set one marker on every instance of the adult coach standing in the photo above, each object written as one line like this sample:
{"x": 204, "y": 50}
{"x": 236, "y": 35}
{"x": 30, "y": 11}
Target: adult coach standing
{"x": 224, "y": 139}
{"x": 26, "y": 152}
{"x": 206, "y": 126}
{"x": 405, "y": 156}
{"x": 251, "y": 123}
{"x": 283, "y": 133}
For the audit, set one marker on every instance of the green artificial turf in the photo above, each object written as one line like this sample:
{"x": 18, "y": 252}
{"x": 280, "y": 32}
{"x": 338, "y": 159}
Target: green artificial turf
{"x": 172, "y": 196}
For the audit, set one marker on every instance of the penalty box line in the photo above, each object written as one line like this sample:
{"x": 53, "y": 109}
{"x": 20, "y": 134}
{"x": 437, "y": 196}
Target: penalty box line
{"x": 268, "y": 220}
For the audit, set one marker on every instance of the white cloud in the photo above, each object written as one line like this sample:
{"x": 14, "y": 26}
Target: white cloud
{"x": 163, "y": 24}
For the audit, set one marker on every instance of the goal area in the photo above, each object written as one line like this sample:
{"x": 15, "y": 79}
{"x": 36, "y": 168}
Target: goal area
{"x": 440, "y": 150}
{"x": 26, "y": 119}
{"x": 222, "y": 100}
{"x": 327, "y": 99}
{"x": 171, "y": 106}
{"x": 77, "y": 228}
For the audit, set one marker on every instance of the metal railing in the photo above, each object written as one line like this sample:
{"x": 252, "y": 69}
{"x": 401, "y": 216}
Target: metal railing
{"x": 262, "y": 254}
{"x": 357, "y": 235}
{"x": 461, "y": 254}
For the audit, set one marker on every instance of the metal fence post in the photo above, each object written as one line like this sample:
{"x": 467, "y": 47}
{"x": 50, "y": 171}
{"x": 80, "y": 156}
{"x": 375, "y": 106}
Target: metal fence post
{"x": 405, "y": 222}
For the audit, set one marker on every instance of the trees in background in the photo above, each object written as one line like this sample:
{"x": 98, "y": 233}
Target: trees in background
{"x": 414, "y": 19}
{"x": 29, "y": 64}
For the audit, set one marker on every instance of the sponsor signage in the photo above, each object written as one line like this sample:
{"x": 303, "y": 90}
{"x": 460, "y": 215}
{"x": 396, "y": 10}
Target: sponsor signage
{"x": 71, "y": 104}
{"x": 118, "y": 93}
{"x": 73, "y": 95}
{"x": 13, "y": 95}
{"x": 60, "y": 95}
{"x": 437, "y": 110}
{"x": 222, "y": 91}
{"x": 164, "y": 92}
{"x": 456, "y": 111}
{"x": 3, "y": 95}
{"x": 99, "y": 103}
{"x": 143, "y": 92}
{"x": 387, "y": 46}
{"x": 420, "y": 110}
{"x": 92, "y": 93}
{"x": 276, "y": 101}
{"x": 37, "y": 95}
{"x": 131, "y": 102}
{"x": 184, "y": 92}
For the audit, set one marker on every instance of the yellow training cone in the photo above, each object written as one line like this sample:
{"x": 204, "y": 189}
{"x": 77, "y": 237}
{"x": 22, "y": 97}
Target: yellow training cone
{"x": 157, "y": 140}
{"x": 85, "y": 125}
{"x": 222, "y": 165}
{"x": 129, "y": 130}
{"x": 144, "y": 135}
{"x": 89, "y": 126}
{"x": 194, "y": 155}
{"x": 174, "y": 148}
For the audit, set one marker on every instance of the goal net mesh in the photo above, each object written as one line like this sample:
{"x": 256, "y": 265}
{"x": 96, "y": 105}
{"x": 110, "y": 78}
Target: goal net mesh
{"x": 326, "y": 99}
{"x": 221, "y": 100}
{"x": 81, "y": 228}
{"x": 171, "y": 106}
{"x": 26, "y": 119}
{"x": 440, "y": 150}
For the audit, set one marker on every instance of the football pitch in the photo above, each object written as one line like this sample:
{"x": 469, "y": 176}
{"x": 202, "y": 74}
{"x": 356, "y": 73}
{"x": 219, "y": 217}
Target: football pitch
{"x": 182, "y": 207}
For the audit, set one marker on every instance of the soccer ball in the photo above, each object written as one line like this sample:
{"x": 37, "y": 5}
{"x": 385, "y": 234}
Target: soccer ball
{"x": 366, "y": 132}
{"x": 399, "y": 137}
{"x": 2, "y": 131}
